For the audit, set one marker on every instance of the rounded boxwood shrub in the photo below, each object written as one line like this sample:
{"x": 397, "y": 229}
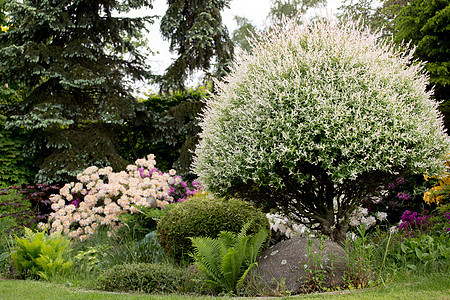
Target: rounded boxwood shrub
{"x": 317, "y": 118}
{"x": 151, "y": 278}
{"x": 203, "y": 215}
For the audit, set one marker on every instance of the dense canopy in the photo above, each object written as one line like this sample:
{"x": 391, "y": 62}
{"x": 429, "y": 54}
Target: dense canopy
{"x": 317, "y": 117}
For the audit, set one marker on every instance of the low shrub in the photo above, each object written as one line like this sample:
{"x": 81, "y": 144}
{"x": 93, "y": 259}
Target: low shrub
{"x": 151, "y": 278}
{"x": 205, "y": 216}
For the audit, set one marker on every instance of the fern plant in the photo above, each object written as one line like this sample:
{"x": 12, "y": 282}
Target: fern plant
{"x": 227, "y": 259}
{"x": 38, "y": 255}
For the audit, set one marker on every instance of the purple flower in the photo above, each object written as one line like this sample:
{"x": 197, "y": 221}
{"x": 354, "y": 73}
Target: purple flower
{"x": 183, "y": 184}
{"x": 391, "y": 186}
{"x": 141, "y": 172}
{"x": 75, "y": 202}
{"x": 400, "y": 180}
{"x": 403, "y": 196}
{"x": 171, "y": 190}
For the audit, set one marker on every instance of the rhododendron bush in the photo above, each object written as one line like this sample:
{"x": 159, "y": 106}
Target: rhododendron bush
{"x": 316, "y": 118}
{"x": 100, "y": 196}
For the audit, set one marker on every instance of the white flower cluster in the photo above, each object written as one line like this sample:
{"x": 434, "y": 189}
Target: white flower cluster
{"x": 286, "y": 226}
{"x": 101, "y": 196}
{"x": 361, "y": 216}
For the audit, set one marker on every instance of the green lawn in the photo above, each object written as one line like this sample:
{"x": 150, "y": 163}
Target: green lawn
{"x": 431, "y": 286}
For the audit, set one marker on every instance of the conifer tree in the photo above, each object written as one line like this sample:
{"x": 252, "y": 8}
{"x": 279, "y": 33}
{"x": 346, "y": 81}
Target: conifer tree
{"x": 426, "y": 24}
{"x": 198, "y": 37}
{"x": 74, "y": 56}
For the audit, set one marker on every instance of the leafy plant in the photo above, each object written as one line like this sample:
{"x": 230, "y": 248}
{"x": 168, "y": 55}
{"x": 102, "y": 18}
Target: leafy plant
{"x": 27, "y": 204}
{"x": 144, "y": 220}
{"x": 204, "y": 215}
{"x": 317, "y": 118}
{"x": 422, "y": 251}
{"x": 6, "y": 246}
{"x": 227, "y": 259}
{"x": 316, "y": 269}
{"x": 149, "y": 278}
{"x": 92, "y": 258}
{"x": 38, "y": 255}
{"x": 359, "y": 260}
{"x": 422, "y": 241}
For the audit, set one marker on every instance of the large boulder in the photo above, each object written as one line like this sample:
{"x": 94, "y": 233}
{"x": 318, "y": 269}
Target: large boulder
{"x": 290, "y": 264}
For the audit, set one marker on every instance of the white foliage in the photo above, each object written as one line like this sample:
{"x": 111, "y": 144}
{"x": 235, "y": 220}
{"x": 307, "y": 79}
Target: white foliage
{"x": 328, "y": 94}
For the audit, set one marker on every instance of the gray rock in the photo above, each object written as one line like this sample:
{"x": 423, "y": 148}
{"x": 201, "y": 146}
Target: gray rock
{"x": 288, "y": 265}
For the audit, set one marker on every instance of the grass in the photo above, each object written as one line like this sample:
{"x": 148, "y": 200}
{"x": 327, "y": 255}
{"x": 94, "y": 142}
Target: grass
{"x": 404, "y": 286}
{"x": 29, "y": 289}
{"x": 424, "y": 286}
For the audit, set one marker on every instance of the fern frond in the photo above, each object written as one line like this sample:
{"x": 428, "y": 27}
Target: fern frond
{"x": 241, "y": 280}
{"x": 231, "y": 267}
{"x": 227, "y": 240}
{"x": 207, "y": 257}
{"x": 256, "y": 243}
{"x": 227, "y": 259}
{"x": 244, "y": 229}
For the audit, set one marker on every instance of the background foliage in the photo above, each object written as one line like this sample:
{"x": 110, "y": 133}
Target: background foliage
{"x": 198, "y": 37}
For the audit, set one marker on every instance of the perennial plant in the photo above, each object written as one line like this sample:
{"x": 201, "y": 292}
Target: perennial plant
{"x": 100, "y": 196}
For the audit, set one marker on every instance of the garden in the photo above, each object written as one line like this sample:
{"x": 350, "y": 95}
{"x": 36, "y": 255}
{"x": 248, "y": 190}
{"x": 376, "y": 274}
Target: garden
{"x": 317, "y": 167}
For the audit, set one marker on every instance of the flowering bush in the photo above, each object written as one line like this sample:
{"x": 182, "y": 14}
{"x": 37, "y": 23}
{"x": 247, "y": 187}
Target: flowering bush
{"x": 100, "y": 196}
{"x": 317, "y": 117}
{"x": 361, "y": 216}
{"x": 394, "y": 198}
{"x": 422, "y": 239}
{"x": 285, "y": 226}
{"x": 440, "y": 193}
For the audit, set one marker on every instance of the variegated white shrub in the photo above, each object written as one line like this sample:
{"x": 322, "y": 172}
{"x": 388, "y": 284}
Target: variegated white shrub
{"x": 317, "y": 117}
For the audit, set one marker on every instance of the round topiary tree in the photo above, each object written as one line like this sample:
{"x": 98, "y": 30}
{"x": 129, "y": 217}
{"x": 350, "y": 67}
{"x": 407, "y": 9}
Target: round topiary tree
{"x": 315, "y": 119}
{"x": 203, "y": 215}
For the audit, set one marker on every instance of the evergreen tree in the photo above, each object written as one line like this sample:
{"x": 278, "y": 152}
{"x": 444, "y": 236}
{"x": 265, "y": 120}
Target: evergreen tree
{"x": 427, "y": 25}
{"x": 197, "y": 35}
{"x": 170, "y": 130}
{"x": 70, "y": 54}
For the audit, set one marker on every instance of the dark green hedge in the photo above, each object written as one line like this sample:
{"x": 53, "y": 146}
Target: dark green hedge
{"x": 203, "y": 215}
{"x": 152, "y": 278}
